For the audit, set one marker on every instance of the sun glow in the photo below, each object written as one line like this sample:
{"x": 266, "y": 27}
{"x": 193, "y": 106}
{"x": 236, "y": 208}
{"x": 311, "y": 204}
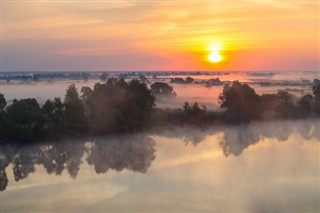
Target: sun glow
{"x": 215, "y": 55}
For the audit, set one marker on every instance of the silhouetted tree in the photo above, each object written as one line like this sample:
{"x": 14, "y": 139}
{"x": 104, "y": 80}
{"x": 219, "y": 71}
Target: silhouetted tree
{"x": 195, "y": 115}
{"x": 139, "y": 106}
{"x": 85, "y": 97}
{"x": 316, "y": 92}
{"x": 74, "y": 110}
{"x": 316, "y": 88}
{"x": 189, "y": 80}
{"x": 3, "y": 103}
{"x": 267, "y": 107}
{"x": 103, "y": 77}
{"x": 23, "y": 121}
{"x": 3, "y": 179}
{"x": 240, "y": 102}
{"x": 306, "y": 105}
{"x": 162, "y": 89}
{"x": 53, "y": 114}
{"x": 286, "y": 107}
{"x": 117, "y": 106}
{"x": 85, "y": 78}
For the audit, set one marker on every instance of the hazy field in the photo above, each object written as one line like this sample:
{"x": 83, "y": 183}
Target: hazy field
{"x": 196, "y": 92}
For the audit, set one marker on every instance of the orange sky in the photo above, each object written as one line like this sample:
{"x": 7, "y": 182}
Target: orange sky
{"x": 266, "y": 35}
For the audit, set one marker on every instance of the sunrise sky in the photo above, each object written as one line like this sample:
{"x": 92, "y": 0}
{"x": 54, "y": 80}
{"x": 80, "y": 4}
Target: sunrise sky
{"x": 263, "y": 35}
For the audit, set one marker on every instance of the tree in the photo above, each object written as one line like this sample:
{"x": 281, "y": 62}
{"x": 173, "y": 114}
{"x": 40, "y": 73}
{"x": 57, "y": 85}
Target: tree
{"x": 194, "y": 114}
{"x": 117, "y": 106}
{"x": 306, "y": 105}
{"x": 104, "y": 105}
{"x": 316, "y": 88}
{"x": 162, "y": 89}
{"x": 3, "y": 103}
{"x": 103, "y": 77}
{"x": 74, "y": 110}
{"x": 189, "y": 80}
{"x": 53, "y": 114}
{"x": 140, "y": 104}
{"x": 23, "y": 122}
{"x": 240, "y": 102}
{"x": 286, "y": 107}
{"x": 316, "y": 92}
{"x": 3, "y": 179}
{"x": 85, "y": 97}
{"x": 267, "y": 106}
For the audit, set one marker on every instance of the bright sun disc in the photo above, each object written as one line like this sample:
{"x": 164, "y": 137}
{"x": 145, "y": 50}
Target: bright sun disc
{"x": 215, "y": 57}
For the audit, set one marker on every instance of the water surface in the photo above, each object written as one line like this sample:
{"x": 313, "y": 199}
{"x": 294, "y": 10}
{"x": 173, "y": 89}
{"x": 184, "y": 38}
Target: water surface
{"x": 262, "y": 167}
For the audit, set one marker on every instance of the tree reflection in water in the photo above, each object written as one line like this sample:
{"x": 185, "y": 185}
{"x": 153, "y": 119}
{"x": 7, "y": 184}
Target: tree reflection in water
{"x": 136, "y": 152}
{"x": 132, "y": 153}
{"x": 236, "y": 138}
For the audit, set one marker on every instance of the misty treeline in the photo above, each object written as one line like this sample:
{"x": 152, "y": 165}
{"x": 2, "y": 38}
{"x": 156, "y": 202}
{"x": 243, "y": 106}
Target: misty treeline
{"x": 117, "y": 106}
{"x": 240, "y": 104}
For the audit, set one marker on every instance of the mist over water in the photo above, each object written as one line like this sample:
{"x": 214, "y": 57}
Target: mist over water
{"x": 197, "y": 92}
{"x": 273, "y": 166}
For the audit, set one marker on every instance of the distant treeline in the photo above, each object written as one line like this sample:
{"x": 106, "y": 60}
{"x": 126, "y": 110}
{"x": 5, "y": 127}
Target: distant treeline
{"x": 117, "y": 106}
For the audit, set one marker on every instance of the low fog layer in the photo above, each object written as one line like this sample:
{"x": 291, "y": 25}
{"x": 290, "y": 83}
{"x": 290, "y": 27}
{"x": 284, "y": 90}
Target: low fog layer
{"x": 136, "y": 152}
{"x": 43, "y": 86}
{"x": 117, "y": 106}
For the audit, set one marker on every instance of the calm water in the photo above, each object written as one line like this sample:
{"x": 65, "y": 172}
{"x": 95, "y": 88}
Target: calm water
{"x": 269, "y": 167}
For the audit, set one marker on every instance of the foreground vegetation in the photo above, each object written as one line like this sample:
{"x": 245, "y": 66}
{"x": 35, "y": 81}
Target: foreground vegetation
{"x": 117, "y": 106}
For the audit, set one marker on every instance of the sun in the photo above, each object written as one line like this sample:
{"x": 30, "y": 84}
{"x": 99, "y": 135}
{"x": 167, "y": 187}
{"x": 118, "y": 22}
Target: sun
{"x": 215, "y": 57}
{"x": 215, "y": 49}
